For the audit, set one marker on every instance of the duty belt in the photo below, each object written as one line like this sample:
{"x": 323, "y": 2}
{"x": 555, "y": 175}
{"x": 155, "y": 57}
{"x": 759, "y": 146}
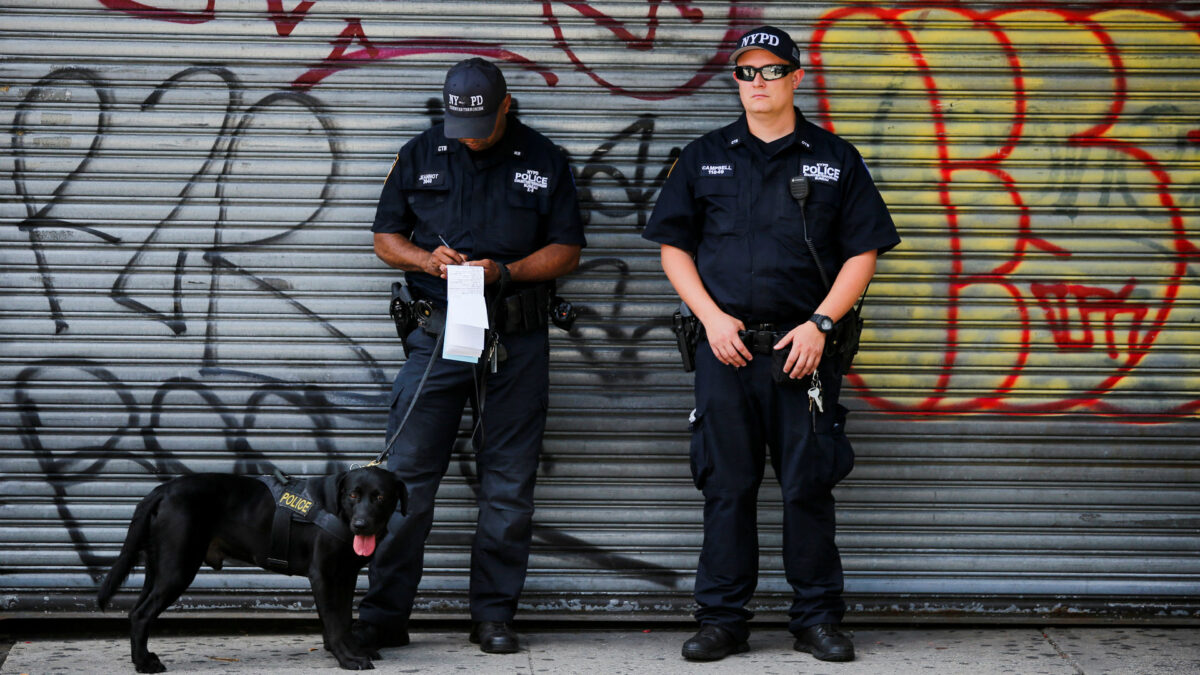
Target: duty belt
{"x": 761, "y": 338}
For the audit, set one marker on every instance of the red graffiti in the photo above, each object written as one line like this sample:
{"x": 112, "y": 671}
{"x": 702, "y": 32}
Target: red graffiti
{"x": 285, "y": 22}
{"x": 737, "y": 20}
{"x": 354, "y": 48}
{"x": 1069, "y": 309}
{"x": 341, "y": 58}
{"x": 1089, "y": 300}
{"x": 145, "y": 11}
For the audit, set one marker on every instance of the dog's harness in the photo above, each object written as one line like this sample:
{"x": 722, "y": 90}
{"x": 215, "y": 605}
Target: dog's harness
{"x": 297, "y": 505}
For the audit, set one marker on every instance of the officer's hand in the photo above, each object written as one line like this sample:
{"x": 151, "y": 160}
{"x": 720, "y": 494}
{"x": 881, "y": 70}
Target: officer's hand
{"x": 439, "y": 258}
{"x": 491, "y": 271}
{"x": 723, "y": 338}
{"x": 807, "y": 343}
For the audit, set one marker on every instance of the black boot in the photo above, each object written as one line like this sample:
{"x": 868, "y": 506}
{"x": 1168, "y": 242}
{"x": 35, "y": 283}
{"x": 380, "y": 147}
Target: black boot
{"x": 495, "y": 637}
{"x": 825, "y": 642}
{"x": 712, "y": 643}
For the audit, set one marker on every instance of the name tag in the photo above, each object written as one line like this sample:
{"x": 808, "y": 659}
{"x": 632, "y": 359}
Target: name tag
{"x": 296, "y": 503}
{"x": 430, "y": 178}
{"x": 716, "y": 170}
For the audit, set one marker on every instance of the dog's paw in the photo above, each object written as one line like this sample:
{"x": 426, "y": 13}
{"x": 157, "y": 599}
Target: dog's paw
{"x": 150, "y": 664}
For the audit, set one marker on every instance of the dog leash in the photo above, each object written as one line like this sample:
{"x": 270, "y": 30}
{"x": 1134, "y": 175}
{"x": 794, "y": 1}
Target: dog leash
{"x": 480, "y": 382}
{"x": 387, "y": 448}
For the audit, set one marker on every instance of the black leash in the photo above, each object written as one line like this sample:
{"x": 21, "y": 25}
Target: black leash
{"x": 411, "y": 404}
{"x": 479, "y": 382}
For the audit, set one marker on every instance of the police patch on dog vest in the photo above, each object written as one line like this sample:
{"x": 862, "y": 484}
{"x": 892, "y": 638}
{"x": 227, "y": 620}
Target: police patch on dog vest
{"x": 295, "y": 502}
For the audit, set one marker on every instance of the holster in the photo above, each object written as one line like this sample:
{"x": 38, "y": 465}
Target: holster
{"x": 688, "y": 332}
{"x": 842, "y": 343}
{"x": 402, "y": 313}
{"x": 524, "y": 310}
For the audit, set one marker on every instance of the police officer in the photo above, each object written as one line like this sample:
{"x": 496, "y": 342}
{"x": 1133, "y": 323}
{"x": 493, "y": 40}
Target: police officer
{"x": 733, "y": 246}
{"x": 482, "y": 189}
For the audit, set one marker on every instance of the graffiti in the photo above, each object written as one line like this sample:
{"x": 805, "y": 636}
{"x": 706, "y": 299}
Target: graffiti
{"x": 1061, "y": 224}
{"x": 137, "y": 419}
{"x": 737, "y": 20}
{"x": 1052, "y": 298}
{"x": 1101, "y": 147}
{"x": 341, "y": 57}
{"x": 638, "y": 190}
{"x": 353, "y": 47}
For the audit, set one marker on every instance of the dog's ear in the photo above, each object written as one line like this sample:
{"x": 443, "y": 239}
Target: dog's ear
{"x": 339, "y": 493}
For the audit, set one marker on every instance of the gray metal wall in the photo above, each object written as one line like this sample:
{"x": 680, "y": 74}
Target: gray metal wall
{"x": 187, "y": 284}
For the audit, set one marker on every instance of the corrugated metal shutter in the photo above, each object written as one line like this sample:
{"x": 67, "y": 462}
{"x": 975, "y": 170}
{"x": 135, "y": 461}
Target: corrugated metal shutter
{"x": 188, "y": 285}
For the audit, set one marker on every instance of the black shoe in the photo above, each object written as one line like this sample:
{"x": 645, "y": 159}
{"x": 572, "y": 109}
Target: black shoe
{"x": 712, "y": 643}
{"x": 495, "y": 637}
{"x": 374, "y": 636}
{"x": 825, "y": 642}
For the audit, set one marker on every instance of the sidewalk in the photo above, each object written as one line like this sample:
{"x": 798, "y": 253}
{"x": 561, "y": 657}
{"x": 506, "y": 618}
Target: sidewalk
{"x": 928, "y": 650}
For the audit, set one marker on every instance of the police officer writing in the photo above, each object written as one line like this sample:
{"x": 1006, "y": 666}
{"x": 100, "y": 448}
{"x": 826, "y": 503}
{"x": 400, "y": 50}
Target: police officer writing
{"x": 732, "y": 221}
{"x": 483, "y": 189}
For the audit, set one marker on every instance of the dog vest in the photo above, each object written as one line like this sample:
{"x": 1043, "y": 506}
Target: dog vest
{"x": 297, "y": 506}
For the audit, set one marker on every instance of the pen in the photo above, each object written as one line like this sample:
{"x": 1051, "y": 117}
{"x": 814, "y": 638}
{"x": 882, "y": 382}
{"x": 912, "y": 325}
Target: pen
{"x": 445, "y": 243}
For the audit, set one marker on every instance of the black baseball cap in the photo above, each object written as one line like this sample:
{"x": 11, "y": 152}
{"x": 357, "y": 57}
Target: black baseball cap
{"x": 772, "y": 40}
{"x": 472, "y": 94}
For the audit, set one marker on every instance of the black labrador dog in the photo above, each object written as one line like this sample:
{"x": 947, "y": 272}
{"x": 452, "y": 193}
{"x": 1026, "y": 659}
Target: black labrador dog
{"x": 206, "y": 518}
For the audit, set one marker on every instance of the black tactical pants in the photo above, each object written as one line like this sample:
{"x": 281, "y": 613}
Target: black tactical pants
{"x": 514, "y": 417}
{"x": 740, "y": 412}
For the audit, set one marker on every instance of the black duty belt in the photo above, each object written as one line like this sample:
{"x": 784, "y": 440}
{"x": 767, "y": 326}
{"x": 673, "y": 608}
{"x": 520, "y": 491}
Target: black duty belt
{"x": 761, "y": 338}
{"x": 524, "y": 310}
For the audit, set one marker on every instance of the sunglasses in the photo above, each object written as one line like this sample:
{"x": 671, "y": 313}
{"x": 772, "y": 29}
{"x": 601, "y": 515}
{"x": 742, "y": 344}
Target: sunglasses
{"x": 770, "y": 72}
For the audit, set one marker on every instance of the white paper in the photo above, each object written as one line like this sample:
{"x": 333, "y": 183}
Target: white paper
{"x": 466, "y": 313}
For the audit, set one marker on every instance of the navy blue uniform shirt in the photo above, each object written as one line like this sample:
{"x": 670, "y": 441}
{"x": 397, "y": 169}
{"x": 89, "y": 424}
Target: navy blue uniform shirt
{"x": 503, "y": 203}
{"x": 728, "y": 203}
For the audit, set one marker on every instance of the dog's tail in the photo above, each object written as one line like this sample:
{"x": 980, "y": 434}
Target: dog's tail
{"x": 135, "y": 540}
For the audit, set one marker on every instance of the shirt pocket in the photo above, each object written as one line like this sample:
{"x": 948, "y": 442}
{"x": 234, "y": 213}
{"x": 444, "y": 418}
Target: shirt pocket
{"x": 430, "y": 204}
{"x": 821, "y": 212}
{"x": 719, "y": 199}
{"x": 513, "y": 229}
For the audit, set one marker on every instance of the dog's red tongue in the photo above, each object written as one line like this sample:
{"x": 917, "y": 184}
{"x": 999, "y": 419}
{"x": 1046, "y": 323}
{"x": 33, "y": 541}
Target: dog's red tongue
{"x": 364, "y": 545}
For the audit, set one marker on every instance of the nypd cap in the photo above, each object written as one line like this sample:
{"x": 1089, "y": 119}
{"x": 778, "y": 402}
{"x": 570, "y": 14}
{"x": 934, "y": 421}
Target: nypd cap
{"x": 772, "y": 40}
{"x": 472, "y": 94}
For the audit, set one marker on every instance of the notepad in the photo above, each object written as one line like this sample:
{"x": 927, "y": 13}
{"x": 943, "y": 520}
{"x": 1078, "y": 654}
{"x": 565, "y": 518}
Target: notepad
{"x": 466, "y": 313}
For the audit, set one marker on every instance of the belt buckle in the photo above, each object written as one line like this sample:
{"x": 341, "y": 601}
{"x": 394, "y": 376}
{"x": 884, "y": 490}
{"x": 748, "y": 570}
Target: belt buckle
{"x": 764, "y": 340}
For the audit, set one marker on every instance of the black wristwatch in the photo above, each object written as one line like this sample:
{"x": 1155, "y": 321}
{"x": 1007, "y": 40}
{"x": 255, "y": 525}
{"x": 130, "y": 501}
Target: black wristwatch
{"x": 824, "y": 323}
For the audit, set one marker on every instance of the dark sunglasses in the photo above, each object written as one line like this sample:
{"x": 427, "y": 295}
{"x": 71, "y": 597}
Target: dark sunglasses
{"x": 770, "y": 72}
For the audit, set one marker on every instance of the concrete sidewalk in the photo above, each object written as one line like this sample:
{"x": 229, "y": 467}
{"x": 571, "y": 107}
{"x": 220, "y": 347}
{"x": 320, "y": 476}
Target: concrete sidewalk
{"x": 928, "y": 650}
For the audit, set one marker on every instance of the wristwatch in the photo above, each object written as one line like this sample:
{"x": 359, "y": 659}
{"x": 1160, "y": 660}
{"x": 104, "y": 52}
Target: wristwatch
{"x": 824, "y": 323}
